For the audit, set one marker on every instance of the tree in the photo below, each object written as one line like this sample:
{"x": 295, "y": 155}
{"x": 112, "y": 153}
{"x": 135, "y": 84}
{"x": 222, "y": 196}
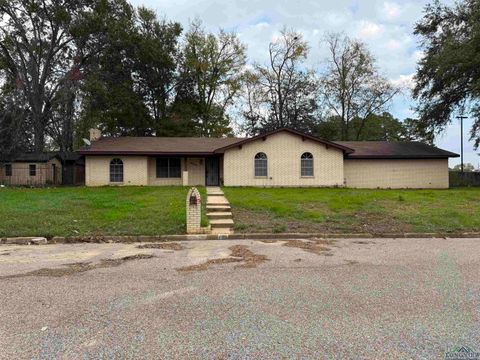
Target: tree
{"x": 211, "y": 75}
{"x": 38, "y": 55}
{"x": 130, "y": 84}
{"x": 282, "y": 93}
{"x": 448, "y": 77}
{"x": 466, "y": 167}
{"x": 415, "y": 130}
{"x": 351, "y": 87}
{"x": 382, "y": 127}
{"x": 156, "y": 56}
{"x": 377, "y": 127}
{"x": 14, "y": 134}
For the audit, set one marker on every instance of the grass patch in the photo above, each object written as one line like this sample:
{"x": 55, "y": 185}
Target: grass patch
{"x": 355, "y": 210}
{"x": 94, "y": 211}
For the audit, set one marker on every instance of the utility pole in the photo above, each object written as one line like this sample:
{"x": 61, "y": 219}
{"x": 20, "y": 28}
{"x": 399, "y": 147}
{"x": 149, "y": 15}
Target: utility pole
{"x": 461, "y": 117}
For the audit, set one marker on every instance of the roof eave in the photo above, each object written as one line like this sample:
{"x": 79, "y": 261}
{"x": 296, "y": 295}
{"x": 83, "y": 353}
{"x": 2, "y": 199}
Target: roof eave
{"x": 143, "y": 153}
{"x": 399, "y": 157}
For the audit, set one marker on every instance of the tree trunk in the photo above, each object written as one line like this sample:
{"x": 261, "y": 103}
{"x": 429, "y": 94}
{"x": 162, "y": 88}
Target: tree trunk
{"x": 67, "y": 128}
{"x": 39, "y": 136}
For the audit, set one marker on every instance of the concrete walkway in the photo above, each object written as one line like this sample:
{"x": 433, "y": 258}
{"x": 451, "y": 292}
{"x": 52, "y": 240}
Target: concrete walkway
{"x": 218, "y": 211}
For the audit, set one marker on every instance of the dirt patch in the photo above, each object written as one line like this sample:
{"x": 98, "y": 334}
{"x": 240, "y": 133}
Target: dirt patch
{"x": 249, "y": 258}
{"x": 362, "y": 242}
{"x": 5, "y": 254}
{"x": 165, "y": 246}
{"x": 379, "y": 223}
{"x": 250, "y": 221}
{"x": 240, "y": 254}
{"x": 324, "y": 241}
{"x": 359, "y": 222}
{"x": 315, "y": 247}
{"x": 351, "y": 262}
{"x": 74, "y": 268}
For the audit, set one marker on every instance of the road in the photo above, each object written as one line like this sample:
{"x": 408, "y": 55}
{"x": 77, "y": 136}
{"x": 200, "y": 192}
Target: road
{"x": 349, "y": 298}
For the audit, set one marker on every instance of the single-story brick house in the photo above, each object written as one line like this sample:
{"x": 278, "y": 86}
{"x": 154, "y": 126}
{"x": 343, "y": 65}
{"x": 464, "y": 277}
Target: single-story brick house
{"x": 282, "y": 157}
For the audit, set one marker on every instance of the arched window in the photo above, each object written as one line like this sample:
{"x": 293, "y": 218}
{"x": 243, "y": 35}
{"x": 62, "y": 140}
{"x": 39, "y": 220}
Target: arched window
{"x": 116, "y": 170}
{"x": 306, "y": 167}
{"x": 261, "y": 165}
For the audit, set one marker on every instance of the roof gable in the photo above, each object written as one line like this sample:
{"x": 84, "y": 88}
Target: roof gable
{"x": 345, "y": 149}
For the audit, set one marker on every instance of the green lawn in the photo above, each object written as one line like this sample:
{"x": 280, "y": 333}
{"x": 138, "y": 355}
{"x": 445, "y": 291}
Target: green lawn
{"x": 93, "y": 211}
{"x": 353, "y": 210}
{"x": 161, "y": 210}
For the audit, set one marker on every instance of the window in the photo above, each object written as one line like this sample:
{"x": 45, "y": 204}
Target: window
{"x": 261, "y": 165}
{"x": 116, "y": 170}
{"x": 8, "y": 169}
{"x": 33, "y": 170}
{"x": 169, "y": 168}
{"x": 306, "y": 164}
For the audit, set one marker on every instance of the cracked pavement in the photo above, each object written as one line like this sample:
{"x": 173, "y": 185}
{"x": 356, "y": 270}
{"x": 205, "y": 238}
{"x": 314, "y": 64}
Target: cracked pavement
{"x": 351, "y": 298}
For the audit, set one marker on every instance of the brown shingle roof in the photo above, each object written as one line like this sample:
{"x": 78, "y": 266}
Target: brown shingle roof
{"x": 394, "y": 150}
{"x": 32, "y": 157}
{"x": 184, "y": 146}
{"x": 157, "y": 145}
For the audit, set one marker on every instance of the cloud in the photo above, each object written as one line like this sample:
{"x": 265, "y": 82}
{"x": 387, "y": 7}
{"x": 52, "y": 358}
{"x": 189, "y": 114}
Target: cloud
{"x": 369, "y": 29}
{"x": 404, "y": 81}
{"x": 394, "y": 44}
{"x": 391, "y": 10}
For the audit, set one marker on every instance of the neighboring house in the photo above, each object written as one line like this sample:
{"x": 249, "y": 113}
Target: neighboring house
{"x": 50, "y": 168}
{"x": 31, "y": 169}
{"x": 282, "y": 157}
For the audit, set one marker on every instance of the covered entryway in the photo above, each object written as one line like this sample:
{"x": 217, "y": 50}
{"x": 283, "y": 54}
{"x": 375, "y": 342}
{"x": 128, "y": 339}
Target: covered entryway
{"x": 212, "y": 171}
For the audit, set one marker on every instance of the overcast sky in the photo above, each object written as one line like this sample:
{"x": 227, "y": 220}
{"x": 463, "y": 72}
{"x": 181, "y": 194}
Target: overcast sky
{"x": 385, "y": 26}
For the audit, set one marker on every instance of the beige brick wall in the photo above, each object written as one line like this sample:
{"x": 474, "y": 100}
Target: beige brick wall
{"x": 140, "y": 170}
{"x": 283, "y": 151}
{"x": 196, "y": 171}
{"x": 97, "y": 170}
{"x": 397, "y": 174}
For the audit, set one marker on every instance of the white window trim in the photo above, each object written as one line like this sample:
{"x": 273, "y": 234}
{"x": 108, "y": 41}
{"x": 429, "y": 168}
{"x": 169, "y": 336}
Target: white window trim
{"x": 254, "y": 167}
{"x": 110, "y": 172}
{"x": 313, "y": 166}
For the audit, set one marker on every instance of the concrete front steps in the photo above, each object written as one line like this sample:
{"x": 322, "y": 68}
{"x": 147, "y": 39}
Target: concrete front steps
{"x": 219, "y": 212}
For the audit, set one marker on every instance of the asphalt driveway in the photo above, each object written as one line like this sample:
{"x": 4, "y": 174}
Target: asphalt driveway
{"x": 375, "y": 298}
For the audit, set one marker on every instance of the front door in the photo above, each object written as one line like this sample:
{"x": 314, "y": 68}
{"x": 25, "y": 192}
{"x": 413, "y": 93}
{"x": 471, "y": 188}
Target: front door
{"x": 212, "y": 171}
{"x": 54, "y": 173}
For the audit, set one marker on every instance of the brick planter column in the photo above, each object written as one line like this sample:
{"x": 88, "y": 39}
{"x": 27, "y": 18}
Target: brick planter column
{"x": 194, "y": 211}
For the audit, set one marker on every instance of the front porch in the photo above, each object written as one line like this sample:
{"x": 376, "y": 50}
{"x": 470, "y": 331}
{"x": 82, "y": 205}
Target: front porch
{"x": 203, "y": 171}
{"x": 172, "y": 170}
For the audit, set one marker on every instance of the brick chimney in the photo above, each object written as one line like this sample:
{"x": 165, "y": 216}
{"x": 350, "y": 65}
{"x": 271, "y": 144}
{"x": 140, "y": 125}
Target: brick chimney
{"x": 95, "y": 134}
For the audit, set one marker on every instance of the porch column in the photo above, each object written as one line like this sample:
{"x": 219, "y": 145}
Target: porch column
{"x": 185, "y": 172}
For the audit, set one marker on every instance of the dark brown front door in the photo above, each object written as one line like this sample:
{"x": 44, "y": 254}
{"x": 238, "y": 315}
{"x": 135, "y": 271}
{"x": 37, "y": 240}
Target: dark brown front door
{"x": 212, "y": 171}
